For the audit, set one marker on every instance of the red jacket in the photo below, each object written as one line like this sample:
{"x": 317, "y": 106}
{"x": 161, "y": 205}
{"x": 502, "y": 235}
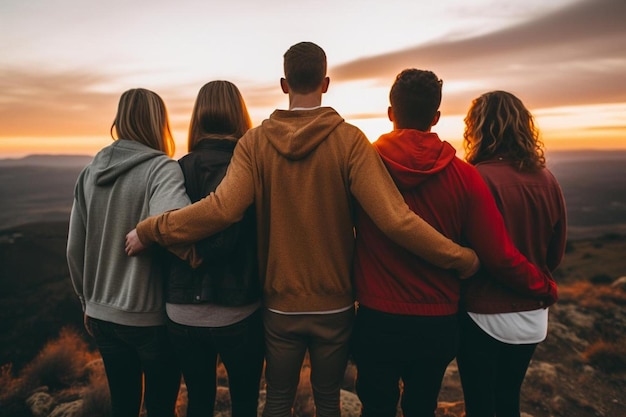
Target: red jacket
{"x": 450, "y": 195}
{"x": 533, "y": 208}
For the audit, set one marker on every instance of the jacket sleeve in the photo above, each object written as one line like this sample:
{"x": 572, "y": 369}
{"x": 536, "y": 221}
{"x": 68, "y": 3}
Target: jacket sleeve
{"x": 167, "y": 187}
{"x": 372, "y": 186}
{"x": 485, "y": 230}
{"x": 210, "y": 215}
{"x": 76, "y": 247}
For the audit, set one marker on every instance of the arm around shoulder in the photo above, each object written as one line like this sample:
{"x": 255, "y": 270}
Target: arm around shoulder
{"x": 378, "y": 195}
{"x": 208, "y": 216}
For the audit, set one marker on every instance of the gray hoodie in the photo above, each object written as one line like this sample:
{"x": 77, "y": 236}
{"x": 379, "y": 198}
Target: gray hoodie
{"x": 125, "y": 183}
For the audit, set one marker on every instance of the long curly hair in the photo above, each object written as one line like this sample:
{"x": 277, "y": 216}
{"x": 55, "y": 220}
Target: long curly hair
{"x": 498, "y": 125}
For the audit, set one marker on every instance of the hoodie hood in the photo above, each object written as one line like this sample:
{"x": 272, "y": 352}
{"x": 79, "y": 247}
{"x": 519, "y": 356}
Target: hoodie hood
{"x": 412, "y": 156}
{"x": 119, "y": 158}
{"x": 296, "y": 133}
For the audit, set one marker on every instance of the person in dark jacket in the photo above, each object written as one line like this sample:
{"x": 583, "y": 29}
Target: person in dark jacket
{"x": 214, "y": 309}
{"x": 406, "y": 325}
{"x": 501, "y": 328}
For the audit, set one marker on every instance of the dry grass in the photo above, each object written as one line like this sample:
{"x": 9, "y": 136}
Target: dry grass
{"x": 59, "y": 369}
{"x": 60, "y": 364}
{"x": 593, "y": 296}
{"x": 610, "y": 357}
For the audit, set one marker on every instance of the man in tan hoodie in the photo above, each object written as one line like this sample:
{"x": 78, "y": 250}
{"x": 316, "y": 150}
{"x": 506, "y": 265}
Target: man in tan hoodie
{"x": 305, "y": 169}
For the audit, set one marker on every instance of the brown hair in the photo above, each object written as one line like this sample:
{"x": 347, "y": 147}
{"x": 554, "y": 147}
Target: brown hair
{"x": 499, "y": 125}
{"x": 415, "y": 97}
{"x": 305, "y": 67}
{"x": 219, "y": 110}
{"x": 142, "y": 117}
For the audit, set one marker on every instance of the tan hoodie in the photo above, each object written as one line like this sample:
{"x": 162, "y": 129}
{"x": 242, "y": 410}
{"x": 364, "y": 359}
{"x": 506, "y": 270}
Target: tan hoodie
{"x": 305, "y": 170}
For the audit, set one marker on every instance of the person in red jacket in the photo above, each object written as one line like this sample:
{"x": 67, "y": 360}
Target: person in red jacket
{"x": 406, "y": 326}
{"x": 502, "y": 327}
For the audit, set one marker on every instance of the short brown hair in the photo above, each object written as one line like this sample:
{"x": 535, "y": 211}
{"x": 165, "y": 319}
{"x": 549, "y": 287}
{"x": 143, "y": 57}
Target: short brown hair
{"x": 415, "y": 98}
{"x": 219, "y": 110}
{"x": 499, "y": 125}
{"x": 305, "y": 67}
{"x": 142, "y": 117}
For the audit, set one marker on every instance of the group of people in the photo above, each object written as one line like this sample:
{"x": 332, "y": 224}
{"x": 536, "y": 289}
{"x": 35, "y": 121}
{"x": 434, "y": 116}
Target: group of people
{"x": 299, "y": 236}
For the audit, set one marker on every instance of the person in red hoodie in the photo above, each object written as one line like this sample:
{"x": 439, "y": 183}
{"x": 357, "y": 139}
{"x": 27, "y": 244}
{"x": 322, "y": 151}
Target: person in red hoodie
{"x": 501, "y": 328}
{"x": 406, "y": 326}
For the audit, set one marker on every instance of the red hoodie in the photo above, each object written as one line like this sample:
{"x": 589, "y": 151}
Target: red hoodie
{"x": 450, "y": 195}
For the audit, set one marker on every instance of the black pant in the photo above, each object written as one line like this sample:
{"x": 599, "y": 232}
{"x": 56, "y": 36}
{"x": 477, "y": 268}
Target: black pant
{"x": 390, "y": 347}
{"x": 241, "y": 349}
{"x": 129, "y": 353}
{"x": 491, "y": 372}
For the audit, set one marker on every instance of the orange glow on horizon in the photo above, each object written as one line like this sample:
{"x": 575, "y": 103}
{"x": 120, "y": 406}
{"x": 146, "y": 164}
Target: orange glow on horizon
{"x": 565, "y": 139}
{"x": 578, "y": 127}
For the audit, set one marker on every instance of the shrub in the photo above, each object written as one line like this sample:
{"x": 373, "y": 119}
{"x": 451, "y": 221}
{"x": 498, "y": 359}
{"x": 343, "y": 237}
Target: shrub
{"x": 11, "y": 399}
{"x": 60, "y": 364}
{"x": 609, "y": 357}
{"x": 8, "y": 384}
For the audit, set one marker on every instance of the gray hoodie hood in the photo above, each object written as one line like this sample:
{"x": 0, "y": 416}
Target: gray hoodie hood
{"x": 296, "y": 133}
{"x": 119, "y": 158}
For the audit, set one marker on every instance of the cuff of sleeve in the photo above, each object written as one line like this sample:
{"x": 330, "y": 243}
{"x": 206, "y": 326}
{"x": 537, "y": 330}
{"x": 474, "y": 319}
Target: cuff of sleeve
{"x": 146, "y": 231}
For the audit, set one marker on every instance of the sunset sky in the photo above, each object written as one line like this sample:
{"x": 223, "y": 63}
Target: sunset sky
{"x": 66, "y": 62}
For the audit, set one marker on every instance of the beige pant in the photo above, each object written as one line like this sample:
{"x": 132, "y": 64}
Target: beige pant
{"x": 287, "y": 338}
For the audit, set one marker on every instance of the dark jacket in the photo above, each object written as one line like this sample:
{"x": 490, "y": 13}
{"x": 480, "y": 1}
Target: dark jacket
{"x": 228, "y": 274}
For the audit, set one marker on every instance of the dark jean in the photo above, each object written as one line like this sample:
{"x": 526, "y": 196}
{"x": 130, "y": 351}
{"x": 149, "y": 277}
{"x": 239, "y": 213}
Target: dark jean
{"x": 288, "y": 337}
{"x": 129, "y": 353}
{"x": 241, "y": 349}
{"x": 389, "y": 347}
{"x": 492, "y": 372}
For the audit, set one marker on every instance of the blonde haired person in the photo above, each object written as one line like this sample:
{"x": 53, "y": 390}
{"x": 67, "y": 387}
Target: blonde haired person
{"x": 122, "y": 297}
{"x": 502, "y": 327}
{"x": 214, "y": 309}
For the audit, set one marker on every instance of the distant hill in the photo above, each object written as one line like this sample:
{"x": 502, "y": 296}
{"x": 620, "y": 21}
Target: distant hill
{"x": 594, "y": 186}
{"x": 65, "y": 161}
{"x": 37, "y": 189}
{"x": 40, "y": 188}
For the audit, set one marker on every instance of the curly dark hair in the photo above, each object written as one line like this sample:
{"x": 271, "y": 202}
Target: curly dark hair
{"x": 415, "y": 97}
{"x": 498, "y": 125}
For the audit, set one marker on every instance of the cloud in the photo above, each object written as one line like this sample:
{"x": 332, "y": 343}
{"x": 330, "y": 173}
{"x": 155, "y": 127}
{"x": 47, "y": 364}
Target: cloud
{"x": 83, "y": 103}
{"x": 53, "y": 104}
{"x": 571, "y": 56}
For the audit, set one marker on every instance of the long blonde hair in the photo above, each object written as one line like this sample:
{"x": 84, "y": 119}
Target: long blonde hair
{"x": 142, "y": 117}
{"x": 219, "y": 111}
{"x": 499, "y": 125}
